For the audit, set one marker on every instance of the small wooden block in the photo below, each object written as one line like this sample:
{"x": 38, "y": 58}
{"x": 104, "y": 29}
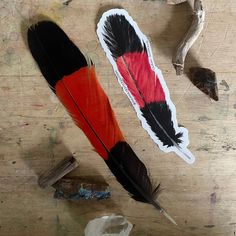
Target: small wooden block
{"x": 52, "y": 175}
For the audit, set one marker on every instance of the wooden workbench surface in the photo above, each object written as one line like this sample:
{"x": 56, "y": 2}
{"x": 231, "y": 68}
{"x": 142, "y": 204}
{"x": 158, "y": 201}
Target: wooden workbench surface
{"x": 36, "y": 132}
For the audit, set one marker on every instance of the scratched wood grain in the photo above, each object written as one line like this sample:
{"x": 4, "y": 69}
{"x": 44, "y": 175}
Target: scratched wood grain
{"x": 36, "y": 132}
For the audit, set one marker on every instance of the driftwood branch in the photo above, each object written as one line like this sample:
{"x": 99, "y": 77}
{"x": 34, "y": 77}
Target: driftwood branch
{"x": 190, "y": 37}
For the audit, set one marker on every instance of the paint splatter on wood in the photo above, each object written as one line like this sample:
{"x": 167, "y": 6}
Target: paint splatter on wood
{"x": 209, "y": 226}
{"x": 225, "y": 84}
{"x": 213, "y": 198}
{"x": 76, "y": 188}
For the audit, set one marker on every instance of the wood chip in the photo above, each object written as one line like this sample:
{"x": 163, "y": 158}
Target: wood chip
{"x": 52, "y": 175}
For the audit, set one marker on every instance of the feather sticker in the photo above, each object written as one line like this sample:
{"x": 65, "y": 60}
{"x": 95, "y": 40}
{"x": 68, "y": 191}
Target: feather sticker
{"x": 75, "y": 84}
{"x": 129, "y": 52}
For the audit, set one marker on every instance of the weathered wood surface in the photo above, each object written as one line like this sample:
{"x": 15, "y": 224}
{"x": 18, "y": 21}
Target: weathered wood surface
{"x": 36, "y": 132}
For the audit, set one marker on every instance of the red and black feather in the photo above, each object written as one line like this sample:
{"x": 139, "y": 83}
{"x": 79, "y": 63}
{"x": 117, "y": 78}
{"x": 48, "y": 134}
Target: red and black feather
{"x": 75, "y": 84}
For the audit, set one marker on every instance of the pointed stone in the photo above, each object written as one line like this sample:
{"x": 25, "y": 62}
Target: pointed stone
{"x": 205, "y": 80}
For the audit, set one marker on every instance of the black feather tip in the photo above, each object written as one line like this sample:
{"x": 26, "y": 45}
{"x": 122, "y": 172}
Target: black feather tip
{"x": 133, "y": 175}
{"x": 55, "y": 54}
{"x": 121, "y": 37}
{"x": 123, "y": 162}
{"x": 161, "y": 113}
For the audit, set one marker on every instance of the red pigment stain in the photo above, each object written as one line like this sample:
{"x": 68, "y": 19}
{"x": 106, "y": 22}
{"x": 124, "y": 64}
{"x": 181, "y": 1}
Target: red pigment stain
{"x": 37, "y": 105}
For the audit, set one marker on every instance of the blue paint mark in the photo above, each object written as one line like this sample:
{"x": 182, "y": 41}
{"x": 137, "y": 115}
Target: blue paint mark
{"x": 84, "y": 194}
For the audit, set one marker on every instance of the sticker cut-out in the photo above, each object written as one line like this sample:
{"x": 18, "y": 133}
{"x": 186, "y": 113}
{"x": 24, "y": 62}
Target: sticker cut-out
{"x": 129, "y": 52}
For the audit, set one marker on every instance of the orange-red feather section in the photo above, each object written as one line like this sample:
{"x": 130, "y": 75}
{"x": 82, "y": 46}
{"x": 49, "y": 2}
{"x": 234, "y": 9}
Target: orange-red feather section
{"x": 90, "y": 108}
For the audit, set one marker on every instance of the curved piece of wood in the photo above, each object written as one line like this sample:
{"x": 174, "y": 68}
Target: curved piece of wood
{"x": 190, "y": 37}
